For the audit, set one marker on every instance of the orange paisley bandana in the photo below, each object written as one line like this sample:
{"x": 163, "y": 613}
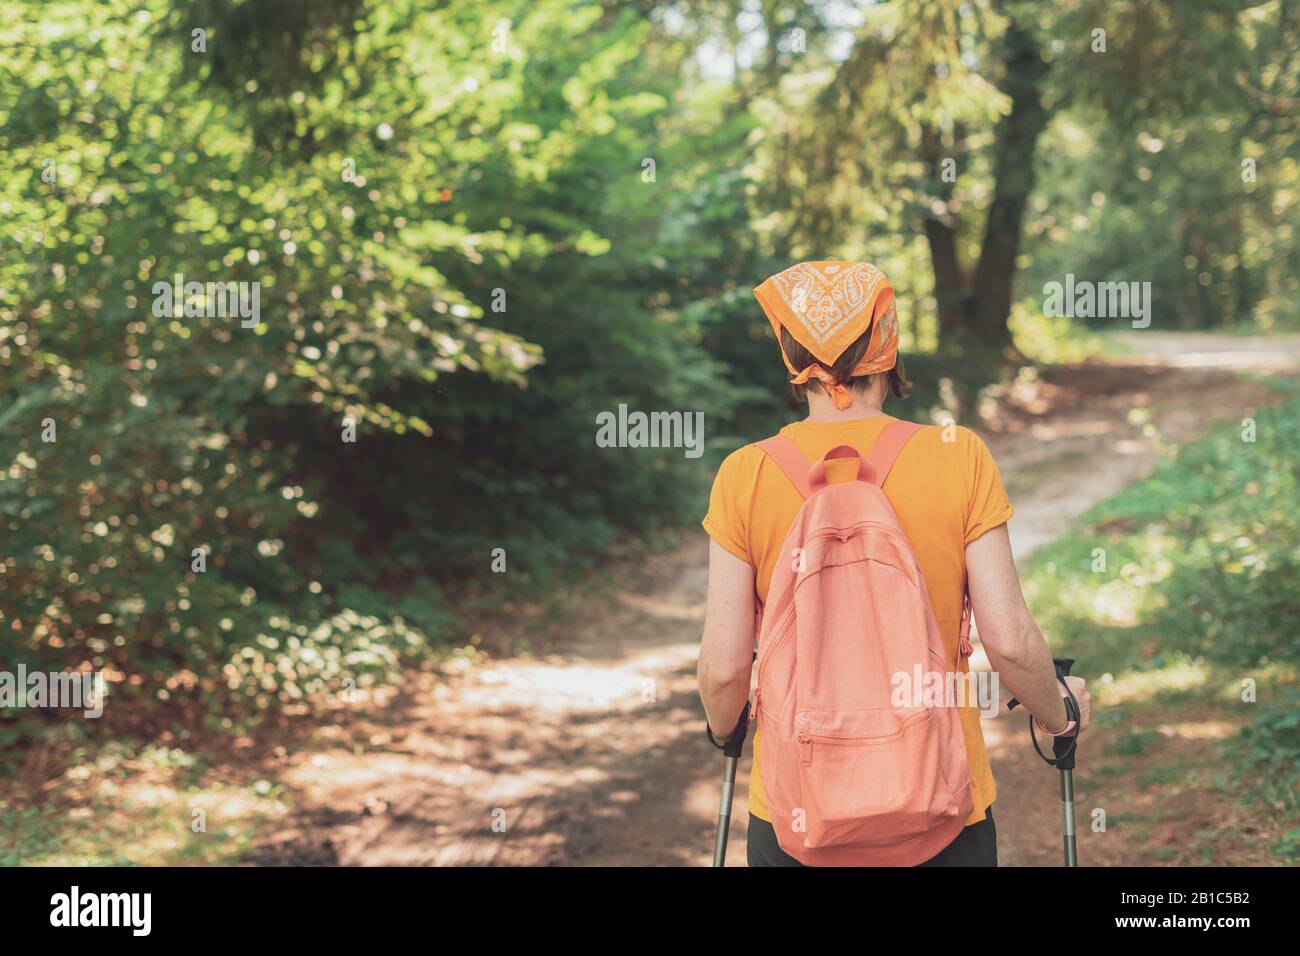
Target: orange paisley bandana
{"x": 826, "y": 306}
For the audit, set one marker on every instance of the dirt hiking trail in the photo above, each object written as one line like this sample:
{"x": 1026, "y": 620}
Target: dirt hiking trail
{"x": 592, "y": 751}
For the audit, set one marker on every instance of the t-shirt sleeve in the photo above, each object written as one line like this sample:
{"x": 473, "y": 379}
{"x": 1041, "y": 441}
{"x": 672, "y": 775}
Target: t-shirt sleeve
{"x": 987, "y": 504}
{"x": 727, "y": 521}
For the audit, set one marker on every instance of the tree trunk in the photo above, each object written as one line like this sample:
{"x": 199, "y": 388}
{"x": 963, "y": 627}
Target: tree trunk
{"x": 1013, "y": 173}
{"x": 950, "y": 292}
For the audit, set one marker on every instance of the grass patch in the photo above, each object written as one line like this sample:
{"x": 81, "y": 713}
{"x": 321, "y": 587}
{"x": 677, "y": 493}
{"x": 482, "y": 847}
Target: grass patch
{"x": 1180, "y": 598}
{"x": 127, "y": 805}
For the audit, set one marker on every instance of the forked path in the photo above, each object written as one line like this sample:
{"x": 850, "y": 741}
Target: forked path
{"x": 593, "y": 753}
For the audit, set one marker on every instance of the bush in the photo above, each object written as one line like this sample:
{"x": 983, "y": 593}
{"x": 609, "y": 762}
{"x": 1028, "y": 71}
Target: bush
{"x": 459, "y": 264}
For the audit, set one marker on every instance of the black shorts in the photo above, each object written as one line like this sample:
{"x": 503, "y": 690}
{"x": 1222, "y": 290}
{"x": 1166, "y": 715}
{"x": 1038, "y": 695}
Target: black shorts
{"x": 976, "y": 845}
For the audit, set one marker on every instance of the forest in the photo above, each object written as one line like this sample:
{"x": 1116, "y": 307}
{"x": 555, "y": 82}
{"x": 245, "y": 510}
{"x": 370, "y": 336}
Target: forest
{"x": 324, "y": 323}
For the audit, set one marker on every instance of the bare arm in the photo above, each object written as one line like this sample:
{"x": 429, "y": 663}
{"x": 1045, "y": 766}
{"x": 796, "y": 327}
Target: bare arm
{"x": 1013, "y": 642}
{"x": 727, "y": 651}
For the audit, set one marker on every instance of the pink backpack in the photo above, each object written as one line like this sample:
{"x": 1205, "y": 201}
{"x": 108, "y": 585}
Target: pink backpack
{"x": 851, "y": 778}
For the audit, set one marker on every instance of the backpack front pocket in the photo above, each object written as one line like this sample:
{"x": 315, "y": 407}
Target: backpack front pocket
{"x": 871, "y": 777}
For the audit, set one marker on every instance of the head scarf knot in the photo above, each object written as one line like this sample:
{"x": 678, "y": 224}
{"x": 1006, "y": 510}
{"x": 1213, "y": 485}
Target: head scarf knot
{"x": 827, "y": 306}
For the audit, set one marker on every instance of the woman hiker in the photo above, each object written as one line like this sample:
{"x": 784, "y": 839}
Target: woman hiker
{"x": 837, "y": 327}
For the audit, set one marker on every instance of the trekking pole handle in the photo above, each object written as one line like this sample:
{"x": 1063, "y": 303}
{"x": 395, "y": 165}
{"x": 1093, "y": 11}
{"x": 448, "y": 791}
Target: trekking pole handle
{"x": 732, "y": 746}
{"x": 1063, "y": 748}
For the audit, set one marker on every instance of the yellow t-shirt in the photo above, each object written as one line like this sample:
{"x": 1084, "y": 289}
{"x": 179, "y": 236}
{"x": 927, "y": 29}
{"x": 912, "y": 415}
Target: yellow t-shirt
{"x": 945, "y": 493}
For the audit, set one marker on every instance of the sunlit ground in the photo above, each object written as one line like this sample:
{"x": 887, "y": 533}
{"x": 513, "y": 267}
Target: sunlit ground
{"x": 131, "y": 807}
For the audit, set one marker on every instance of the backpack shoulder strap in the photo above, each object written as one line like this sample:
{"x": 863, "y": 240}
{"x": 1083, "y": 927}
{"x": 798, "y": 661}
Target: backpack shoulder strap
{"x": 790, "y": 460}
{"x": 891, "y": 441}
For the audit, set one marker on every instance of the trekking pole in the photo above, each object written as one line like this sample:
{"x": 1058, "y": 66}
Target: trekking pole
{"x": 1064, "y": 751}
{"x": 730, "y": 748}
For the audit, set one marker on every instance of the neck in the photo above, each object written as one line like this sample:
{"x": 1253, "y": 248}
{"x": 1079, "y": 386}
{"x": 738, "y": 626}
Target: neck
{"x": 867, "y": 403}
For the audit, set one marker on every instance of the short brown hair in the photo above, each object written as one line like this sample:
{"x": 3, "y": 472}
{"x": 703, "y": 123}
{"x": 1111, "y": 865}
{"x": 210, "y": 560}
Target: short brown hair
{"x": 842, "y": 370}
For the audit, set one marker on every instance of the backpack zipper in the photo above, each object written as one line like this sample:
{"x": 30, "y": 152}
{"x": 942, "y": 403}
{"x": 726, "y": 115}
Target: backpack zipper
{"x": 917, "y": 718}
{"x": 807, "y": 740}
{"x": 845, "y": 533}
{"x": 763, "y": 665}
